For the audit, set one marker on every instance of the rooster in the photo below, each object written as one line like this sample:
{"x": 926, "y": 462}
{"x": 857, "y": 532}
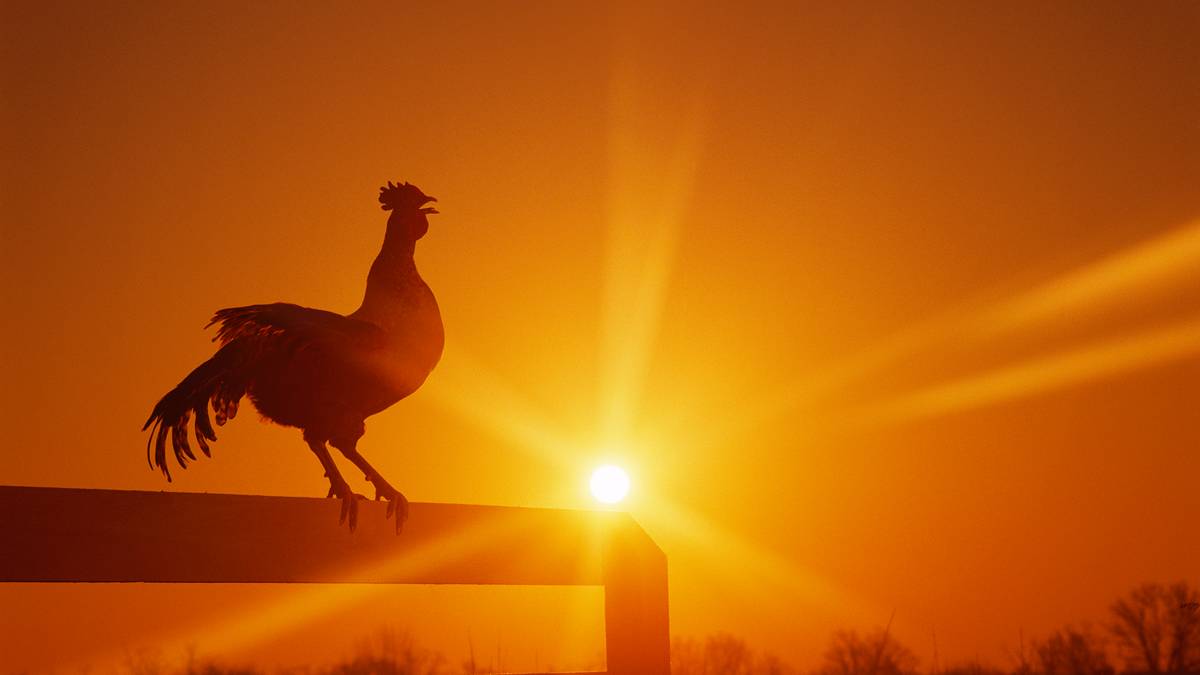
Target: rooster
{"x": 318, "y": 371}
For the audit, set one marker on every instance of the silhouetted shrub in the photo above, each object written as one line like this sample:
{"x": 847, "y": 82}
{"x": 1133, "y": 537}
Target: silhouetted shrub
{"x": 722, "y": 654}
{"x": 876, "y": 653}
{"x": 391, "y": 653}
{"x": 1071, "y": 651}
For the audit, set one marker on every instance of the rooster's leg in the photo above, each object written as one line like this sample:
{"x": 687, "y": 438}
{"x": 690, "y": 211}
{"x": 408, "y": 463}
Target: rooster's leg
{"x": 337, "y": 485}
{"x": 397, "y": 503}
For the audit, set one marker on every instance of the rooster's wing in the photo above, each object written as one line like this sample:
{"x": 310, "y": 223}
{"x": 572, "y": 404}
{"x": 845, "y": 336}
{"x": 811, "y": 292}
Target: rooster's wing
{"x": 296, "y": 325}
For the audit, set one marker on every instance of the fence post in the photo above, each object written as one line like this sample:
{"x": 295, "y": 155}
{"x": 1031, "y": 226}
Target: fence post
{"x": 636, "y": 620}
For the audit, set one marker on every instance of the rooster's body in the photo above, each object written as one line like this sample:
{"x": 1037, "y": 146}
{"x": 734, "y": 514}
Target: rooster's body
{"x": 319, "y": 371}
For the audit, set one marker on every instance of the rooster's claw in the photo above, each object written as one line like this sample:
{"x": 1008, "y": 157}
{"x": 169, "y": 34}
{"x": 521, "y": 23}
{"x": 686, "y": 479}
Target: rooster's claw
{"x": 397, "y": 504}
{"x": 349, "y": 504}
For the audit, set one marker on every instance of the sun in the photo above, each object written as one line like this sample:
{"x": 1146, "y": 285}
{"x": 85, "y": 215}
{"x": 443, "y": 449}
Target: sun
{"x": 609, "y": 484}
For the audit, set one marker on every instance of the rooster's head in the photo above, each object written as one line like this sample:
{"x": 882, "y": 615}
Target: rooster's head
{"x": 407, "y": 204}
{"x": 405, "y": 197}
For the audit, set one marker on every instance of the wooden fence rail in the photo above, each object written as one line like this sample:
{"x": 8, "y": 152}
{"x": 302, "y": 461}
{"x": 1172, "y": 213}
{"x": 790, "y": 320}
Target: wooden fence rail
{"x": 74, "y": 535}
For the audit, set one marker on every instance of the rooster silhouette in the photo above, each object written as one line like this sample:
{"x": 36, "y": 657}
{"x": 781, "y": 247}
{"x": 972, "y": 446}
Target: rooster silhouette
{"x": 319, "y": 371}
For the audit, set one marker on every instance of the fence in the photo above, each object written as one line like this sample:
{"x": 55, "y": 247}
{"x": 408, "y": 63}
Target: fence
{"x": 74, "y": 535}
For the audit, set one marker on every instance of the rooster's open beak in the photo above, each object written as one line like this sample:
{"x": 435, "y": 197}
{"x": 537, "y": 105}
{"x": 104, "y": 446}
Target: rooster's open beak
{"x": 429, "y": 209}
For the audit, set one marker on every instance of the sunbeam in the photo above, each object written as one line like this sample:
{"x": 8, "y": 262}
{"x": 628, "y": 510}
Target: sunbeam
{"x": 648, "y": 194}
{"x": 1125, "y": 278}
{"x": 1128, "y": 353}
{"x": 1128, "y": 276}
{"x": 470, "y": 389}
{"x": 761, "y": 570}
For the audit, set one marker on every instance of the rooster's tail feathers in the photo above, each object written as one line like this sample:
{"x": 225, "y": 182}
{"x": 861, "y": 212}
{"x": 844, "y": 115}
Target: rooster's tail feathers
{"x": 216, "y": 381}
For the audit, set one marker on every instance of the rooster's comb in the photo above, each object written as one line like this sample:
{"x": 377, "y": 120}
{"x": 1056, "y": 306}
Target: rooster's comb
{"x": 394, "y": 196}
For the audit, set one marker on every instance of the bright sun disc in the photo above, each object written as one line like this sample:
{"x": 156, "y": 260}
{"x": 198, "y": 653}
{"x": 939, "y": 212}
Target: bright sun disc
{"x": 610, "y": 484}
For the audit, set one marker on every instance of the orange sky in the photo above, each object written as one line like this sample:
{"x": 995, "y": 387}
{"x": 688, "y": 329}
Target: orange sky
{"x": 883, "y": 307}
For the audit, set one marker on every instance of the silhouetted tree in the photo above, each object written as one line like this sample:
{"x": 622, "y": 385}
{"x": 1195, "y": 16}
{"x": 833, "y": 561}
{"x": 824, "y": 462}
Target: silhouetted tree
{"x": 1021, "y": 657}
{"x": 874, "y": 654}
{"x": 722, "y": 654}
{"x": 728, "y": 655}
{"x": 1071, "y": 651}
{"x": 1157, "y": 628}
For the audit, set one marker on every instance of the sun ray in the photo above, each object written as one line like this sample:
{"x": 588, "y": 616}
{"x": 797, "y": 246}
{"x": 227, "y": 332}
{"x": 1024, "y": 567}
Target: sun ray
{"x": 1125, "y": 278}
{"x": 467, "y": 387}
{"x": 1151, "y": 266}
{"x": 765, "y": 571}
{"x": 1128, "y": 353}
{"x": 647, "y": 197}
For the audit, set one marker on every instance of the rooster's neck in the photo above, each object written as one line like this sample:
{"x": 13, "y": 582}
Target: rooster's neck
{"x": 393, "y": 282}
{"x": 400, "y": 302}
{"x": 395, "y": 256}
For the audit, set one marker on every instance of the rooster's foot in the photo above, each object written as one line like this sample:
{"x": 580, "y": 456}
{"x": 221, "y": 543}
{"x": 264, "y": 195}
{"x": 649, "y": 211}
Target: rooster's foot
{"x": 349, "y": 502}
{"x": 397, "y": 503}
